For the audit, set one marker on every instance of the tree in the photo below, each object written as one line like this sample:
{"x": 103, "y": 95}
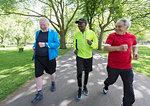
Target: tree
{"x": 54, "y": 10}
{"x": 4, "y": 28}
{"x": 90, "y": 11}
{"x": 107, "y": 12}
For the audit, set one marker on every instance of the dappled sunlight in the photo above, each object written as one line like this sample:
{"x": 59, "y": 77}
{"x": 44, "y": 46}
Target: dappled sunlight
{"x": 3, "y": 76}
{"x": 65, "y": 102}
{"x": 16, "y": 97}
{"x": 97, "y": 56}
{"x": 32, "y": 87}
{"x": 44, "y": 82}
{"x": 102, "y": 73}
{"x": 67, "y": 65}
{"x": 17, "y": 69}
{"x": 90, "y": 83}
{"x": 66, "y": 86}
{"x": 100, "y": 82}
{"x": 71, "y": 81}
{"x": 138, "y": 94}
{"x": 62, "y": 71}
{"x": 118, "y": 86}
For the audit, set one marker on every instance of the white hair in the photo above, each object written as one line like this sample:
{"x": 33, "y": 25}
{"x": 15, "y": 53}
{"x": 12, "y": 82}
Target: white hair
{"x": 126, "y": 22}
{"x": 44, "y": 19}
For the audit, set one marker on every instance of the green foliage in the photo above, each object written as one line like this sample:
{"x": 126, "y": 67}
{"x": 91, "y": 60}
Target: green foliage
{"x": 7, "y": 5}
{"x": 14, "y": 28}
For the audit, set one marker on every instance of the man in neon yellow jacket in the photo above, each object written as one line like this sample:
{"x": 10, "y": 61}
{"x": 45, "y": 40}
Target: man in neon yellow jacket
{"x": 84, "y": 41}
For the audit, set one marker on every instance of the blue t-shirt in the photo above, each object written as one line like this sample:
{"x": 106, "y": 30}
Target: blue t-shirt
{"x": 42, "y": 37}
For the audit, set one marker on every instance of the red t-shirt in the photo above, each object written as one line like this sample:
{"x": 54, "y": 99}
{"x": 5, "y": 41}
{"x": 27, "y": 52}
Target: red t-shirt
{"x": 120, "y": 59}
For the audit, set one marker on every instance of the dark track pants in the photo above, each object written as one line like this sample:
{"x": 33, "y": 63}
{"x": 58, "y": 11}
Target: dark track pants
{"x": 83, "y": 65}
{"x": 127, "y": 78}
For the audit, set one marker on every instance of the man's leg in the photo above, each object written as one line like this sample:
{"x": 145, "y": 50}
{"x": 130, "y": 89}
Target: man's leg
{"x": 79, "y": 76}
{"x": 127, "y": 78}
{"x": 86, "y": 76}
{"x": 53, "y": 85}
{"x": 111, "y": 79}
{"x": 39, "y": 83}
{"x": 39, "y": 95}
{"x": 112, "y": 76}
{"x": 85, "y": 90}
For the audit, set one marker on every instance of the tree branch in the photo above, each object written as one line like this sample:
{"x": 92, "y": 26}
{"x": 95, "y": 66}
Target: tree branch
{"x": 109, "y": 30}
{"x": 44, "y": 3}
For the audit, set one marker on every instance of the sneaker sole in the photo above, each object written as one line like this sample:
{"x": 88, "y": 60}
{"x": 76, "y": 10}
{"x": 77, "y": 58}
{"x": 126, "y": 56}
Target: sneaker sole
{"x": 86, "y": 94}
{"x": 37, "y": 101}
{"x": 79, "y": 98}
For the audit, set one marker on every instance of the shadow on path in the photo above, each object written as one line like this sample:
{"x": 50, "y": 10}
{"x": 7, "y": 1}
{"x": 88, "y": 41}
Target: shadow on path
{"x": 66, "y": 87}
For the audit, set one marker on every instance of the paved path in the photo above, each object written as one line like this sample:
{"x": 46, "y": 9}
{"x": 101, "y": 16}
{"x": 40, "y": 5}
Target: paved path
{"x": 66, "y": 90}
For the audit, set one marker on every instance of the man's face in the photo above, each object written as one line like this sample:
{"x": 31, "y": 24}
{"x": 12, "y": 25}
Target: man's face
{"x": 44, "y": 25}
{"x": 81, "y": 26}
{"x": 121, "y": 28}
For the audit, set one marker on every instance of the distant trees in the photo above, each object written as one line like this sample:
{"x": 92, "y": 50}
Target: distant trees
{"x": 15, "y": 29}
{"x": 100, "y": 14}
{"x": 104, "y": 13}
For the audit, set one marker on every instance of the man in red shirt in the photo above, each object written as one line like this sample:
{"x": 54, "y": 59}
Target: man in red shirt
{"x": 119, "y": 45}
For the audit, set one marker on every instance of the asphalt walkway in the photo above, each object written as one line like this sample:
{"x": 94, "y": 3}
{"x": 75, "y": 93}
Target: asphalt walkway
{"x": 66, "y": 87}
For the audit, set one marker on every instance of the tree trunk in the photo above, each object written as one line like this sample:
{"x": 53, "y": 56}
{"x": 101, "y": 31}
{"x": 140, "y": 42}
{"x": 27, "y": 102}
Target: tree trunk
{"x": 25, "y": 42}
{"x": 100, "y": 39}
{"x": 2, "y": 40}
{"x": 62, "y": 41}
{"x": 18, "y": 41}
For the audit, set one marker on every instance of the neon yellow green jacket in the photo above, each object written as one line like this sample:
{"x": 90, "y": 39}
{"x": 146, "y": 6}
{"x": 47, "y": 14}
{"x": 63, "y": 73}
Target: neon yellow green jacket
{"x": 80, "y": 43}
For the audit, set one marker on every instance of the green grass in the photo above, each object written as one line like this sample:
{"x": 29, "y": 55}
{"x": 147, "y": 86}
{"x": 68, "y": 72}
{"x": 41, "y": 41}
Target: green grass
{"x": 142, "y": 64}
{"x": 16, "y": 69}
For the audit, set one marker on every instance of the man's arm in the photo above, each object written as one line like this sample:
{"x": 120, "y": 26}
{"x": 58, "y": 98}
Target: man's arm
{"x": 135, "y": 52}
{"x": 93, "y": 44}
{"x": 115, "y": 48}
{"x": 54, "y": 44}
{"x": 75, "y": 45}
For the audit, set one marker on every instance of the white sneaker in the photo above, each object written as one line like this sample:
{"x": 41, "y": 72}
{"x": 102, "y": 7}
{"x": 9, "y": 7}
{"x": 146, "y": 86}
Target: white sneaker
{"x": 105, "y": 90}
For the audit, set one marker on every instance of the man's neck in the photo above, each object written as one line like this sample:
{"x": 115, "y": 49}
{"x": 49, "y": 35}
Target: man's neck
{"x": 45, "y": 30}
{"x": 82, "y": 31}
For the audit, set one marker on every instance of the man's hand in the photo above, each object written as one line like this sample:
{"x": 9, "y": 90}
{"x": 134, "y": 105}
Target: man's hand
{"x": 33, "y": 49}
{"x": 124, "y": 47}
{"x": 89, "y": 42}
{"x": 75, "y": 52}
{"x": 42, "y": 44}
{"x": 136, "y": 56}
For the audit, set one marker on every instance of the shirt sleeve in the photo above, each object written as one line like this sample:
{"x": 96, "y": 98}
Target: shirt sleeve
{"x": 109, "y": 41}
{"x": 134, "y": 41}
{"x": 75, "y": 42}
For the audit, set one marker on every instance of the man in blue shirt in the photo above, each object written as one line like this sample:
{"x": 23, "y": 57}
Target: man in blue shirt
{"x": 45, "y": 52}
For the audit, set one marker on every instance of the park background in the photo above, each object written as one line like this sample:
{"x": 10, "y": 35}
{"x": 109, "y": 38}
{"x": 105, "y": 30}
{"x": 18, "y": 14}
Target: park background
{"x": 19, "y": 22}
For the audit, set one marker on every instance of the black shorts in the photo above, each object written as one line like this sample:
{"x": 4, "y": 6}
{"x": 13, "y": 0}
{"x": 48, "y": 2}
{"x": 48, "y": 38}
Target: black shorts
{"x": 43, "y": 63}
{"x": 84, "y": 64}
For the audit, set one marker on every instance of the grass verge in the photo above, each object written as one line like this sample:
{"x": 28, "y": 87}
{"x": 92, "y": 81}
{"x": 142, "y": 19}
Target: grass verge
{"x": 142, "y": 64}
{"x": 16, "y": 69}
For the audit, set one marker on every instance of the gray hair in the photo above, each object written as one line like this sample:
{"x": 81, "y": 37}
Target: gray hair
{"x": 126, "y": 22}
{"x": 44, "y": 19}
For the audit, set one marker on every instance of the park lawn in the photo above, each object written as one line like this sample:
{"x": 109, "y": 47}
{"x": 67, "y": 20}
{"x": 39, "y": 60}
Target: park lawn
{"x": 142, "y": 64}
{"x": 16, "y": 69}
